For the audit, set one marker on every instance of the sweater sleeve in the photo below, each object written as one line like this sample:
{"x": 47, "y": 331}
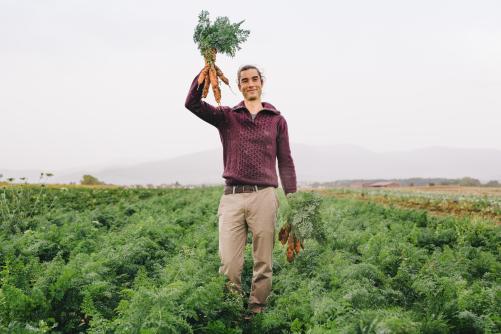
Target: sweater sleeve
{"x": 285, "y": 163}
{"x": 203, "y": 110}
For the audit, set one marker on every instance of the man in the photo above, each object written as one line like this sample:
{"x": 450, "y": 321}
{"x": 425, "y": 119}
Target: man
{"x": 254, "y": 135}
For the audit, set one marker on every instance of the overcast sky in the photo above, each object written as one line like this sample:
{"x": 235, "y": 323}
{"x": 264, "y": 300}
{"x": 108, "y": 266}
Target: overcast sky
{"x": 94, "y": 82}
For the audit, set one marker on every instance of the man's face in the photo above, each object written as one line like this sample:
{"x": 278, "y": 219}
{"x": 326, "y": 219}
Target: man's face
{"x": 250, "y": 84}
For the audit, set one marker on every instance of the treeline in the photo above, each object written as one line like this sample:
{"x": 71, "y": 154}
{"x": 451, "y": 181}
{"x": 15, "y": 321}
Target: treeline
{"x": 410, "y": 182}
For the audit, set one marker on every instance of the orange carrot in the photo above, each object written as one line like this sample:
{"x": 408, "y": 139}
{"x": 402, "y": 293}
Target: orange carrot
{"x": 206, "y": 86}
{"x": 283, "y": 235}
{"x": 290, "y": 254}
{"x": 217, "y": 94}
{"x": 213, "y": 76}
{"x": 215, "y": 84}
{"x": 297, "y": 247}
{"x": 290, "y": 242}
{"x": 203, "y": 75}
{"x": 221, "y": 75}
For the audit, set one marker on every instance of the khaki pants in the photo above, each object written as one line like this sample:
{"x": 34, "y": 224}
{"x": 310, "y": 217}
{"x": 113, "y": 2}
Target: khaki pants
{"x": 237, "y": 213}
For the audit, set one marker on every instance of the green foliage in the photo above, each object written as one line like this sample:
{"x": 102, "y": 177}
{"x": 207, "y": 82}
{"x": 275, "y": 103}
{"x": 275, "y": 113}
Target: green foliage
{"x": 302, "y": 212}
{"x": 493, "y": 183}
{"x": 469, "y": 182}
{"x": 90, "y": 180}
{"x": 19, "y": 204}
{"x": 221, "y": 35}
{"x": 146, "y": 261}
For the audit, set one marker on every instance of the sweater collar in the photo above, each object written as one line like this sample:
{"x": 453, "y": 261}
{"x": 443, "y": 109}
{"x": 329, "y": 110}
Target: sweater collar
{"x": 266, "y": 106}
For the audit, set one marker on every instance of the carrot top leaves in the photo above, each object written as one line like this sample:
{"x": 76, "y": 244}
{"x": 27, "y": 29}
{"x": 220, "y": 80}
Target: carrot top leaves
{"x": 301, "y": 221}
{"x": 221, "y": 35}
{"x": 303, "y": 214}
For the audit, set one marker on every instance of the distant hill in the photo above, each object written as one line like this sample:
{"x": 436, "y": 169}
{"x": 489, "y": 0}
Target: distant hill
{"x": 313, "y": 163}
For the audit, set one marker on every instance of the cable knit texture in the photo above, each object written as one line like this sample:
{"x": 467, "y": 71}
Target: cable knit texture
{"x": 251, "y": 148}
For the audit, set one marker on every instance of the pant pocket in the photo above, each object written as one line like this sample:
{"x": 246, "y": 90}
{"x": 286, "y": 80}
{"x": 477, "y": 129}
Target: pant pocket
{"x": 277, "y": 199}
{"x": 220, "y": 207}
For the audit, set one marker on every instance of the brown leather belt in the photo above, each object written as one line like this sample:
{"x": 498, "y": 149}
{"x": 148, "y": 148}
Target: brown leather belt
{"x": 242, "y": 188}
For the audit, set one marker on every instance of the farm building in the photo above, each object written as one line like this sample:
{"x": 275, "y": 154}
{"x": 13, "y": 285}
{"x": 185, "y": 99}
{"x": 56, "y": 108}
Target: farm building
{"x": 380, "y": 184}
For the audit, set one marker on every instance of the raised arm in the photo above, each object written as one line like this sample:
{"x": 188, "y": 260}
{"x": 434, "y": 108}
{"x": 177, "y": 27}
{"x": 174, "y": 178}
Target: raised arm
{"x": 285, "y": 163}
{"x": 210, "y": 114}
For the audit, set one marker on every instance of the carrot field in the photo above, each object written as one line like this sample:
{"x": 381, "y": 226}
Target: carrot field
{"x": 116, "y": 260}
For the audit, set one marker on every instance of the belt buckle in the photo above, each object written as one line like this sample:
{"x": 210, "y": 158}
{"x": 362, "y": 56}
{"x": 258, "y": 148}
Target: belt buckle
{"x": 243, "y": 188}
{"x": 251, "y": 187}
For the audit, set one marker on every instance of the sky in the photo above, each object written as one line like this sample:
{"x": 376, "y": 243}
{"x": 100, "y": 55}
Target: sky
{"x": 87, "y": 83}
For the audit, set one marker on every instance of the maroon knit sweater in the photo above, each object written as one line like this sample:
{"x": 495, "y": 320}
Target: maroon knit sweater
{"x": 250, "y": 147}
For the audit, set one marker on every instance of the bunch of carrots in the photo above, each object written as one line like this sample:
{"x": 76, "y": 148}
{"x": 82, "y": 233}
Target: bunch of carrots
{"x": 294, "y": 245}
{"x": 209, "y": 76}
{"x": 213, "y": 37}
{"x": 301, "y": 221}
